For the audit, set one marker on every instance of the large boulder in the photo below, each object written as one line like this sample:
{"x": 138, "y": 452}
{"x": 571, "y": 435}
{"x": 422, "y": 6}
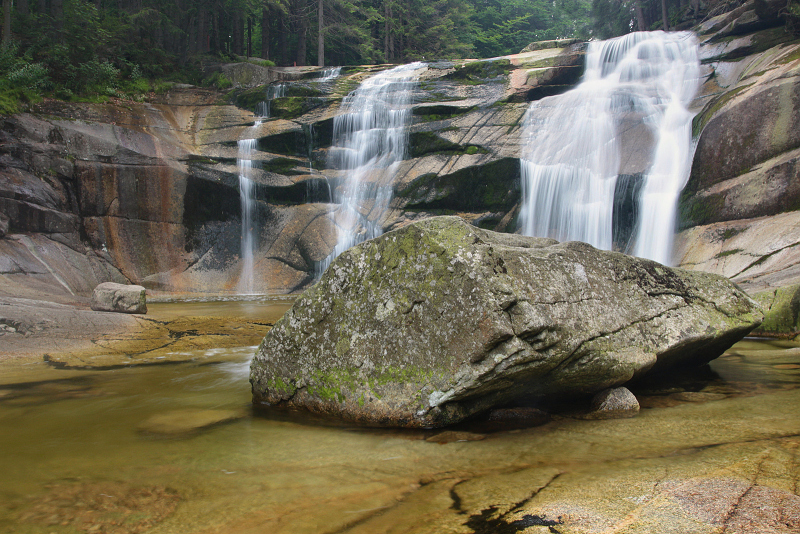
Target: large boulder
{"x": 440, "y": 320}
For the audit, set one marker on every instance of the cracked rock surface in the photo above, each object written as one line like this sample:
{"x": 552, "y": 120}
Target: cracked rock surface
{"x": 437, "y": 321}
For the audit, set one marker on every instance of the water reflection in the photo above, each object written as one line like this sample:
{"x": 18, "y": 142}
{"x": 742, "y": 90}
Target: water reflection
{"x": 77, "y": 453}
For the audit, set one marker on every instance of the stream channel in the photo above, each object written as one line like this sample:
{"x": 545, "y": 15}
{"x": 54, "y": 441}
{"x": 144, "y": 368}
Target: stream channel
{"x": 113, "y": 451}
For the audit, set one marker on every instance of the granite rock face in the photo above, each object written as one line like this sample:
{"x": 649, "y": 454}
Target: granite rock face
{"x": 739, "y": 210}
{"x": 437, "y": 321}
{"x": 111, "y": 297}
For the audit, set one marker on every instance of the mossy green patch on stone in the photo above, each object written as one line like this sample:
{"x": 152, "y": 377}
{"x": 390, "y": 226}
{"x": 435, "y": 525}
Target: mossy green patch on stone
{"x": 283, "y": 166}
{"x": 695, "y": 210}
{"x": 440, "y": 112}
{"x": 426, "y": 143}
{"x": 728, "y": 253}
{"x": 493, "y": 186}
{"x": 291, "y": 107}
{"x": 479, "y": 71}
{"x": 730, "y": 232}
{"x": 701, "y": 119}
{"x": 781, "y": 311}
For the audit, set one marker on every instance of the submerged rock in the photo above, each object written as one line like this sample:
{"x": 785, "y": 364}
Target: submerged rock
{"x": 614, "y": 403}
{"x": 187, "y": 421}
{"x": 111, "y": 297}
{"x": 440, "y": 320}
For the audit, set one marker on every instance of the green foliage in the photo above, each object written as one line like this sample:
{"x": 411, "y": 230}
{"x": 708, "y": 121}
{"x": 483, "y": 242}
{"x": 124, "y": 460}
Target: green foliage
{"x": 262, "y": 62}
{"x": 218, "y": 80}
{"x": 507, "y": 26}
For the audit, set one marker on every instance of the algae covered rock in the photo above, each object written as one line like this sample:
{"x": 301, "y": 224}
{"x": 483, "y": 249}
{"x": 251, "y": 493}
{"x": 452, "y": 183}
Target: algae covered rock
{"x": 781, "y": 311}
{"x": 439, "y": 320}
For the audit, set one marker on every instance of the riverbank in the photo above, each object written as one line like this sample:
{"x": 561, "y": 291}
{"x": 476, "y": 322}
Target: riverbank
{"x": 713, "y": 452}
{"x": 67, "y": 334}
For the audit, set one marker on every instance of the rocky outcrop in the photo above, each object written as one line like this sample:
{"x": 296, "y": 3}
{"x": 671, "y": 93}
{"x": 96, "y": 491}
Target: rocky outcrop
{"x": 440, "y": 320}
{"x": 738, "y": 210}
{"x": 111, "y": 297}
{"x": 148, "y": 192}
{"x": 781, "y": 312}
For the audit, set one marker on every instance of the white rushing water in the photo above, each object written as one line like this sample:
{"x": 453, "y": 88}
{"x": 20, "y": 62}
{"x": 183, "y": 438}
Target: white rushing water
{"x": 247, "y": 189}
{"x": 264, "y": 108}
{"x": 572, "y": 147}
{"x": 330, "y": 73}
{"x": 248, "y": 203}
{"x": 369, "y": 139}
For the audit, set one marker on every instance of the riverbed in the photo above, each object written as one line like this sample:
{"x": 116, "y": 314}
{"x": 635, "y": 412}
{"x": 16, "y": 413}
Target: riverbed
{"x": 178, "y": 448}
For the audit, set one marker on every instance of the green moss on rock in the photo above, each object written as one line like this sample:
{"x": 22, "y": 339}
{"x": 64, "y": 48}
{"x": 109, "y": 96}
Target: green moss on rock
{"x": 781, "y": 311}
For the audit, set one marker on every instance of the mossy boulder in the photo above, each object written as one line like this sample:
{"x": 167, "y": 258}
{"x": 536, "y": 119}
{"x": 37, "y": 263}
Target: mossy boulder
{"x": 781, "y": 311}
{"x": 439, "y": 320}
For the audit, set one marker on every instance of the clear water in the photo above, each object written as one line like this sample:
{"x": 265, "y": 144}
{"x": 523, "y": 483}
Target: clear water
{"x": 74, "y": 455}
{"x": 572, "y": 147}
{"x": 369, "y": 139}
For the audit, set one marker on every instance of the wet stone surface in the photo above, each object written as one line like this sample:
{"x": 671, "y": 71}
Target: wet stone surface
{"x": 79, "y": 461}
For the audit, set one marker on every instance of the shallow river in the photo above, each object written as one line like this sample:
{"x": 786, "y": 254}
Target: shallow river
{"x": 109, "y": 451}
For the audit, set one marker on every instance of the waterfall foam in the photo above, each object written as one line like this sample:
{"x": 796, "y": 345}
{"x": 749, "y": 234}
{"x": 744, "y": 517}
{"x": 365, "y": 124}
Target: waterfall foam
{"x": 573, "y": 144}
{"x": 369, "y": 139}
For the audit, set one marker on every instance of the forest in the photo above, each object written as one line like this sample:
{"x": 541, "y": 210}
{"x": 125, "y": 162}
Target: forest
{"x": 74, "y": 49}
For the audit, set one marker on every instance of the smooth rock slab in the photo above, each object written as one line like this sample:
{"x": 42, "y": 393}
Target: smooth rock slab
{"x": 111, "y": 297}
{"x": 437, "y": 321}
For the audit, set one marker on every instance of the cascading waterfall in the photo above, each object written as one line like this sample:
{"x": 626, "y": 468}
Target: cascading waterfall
{"x": 330, "y": 73}
{"x": 572, "y": 148}
{"x": 247, "y": 189}
{"x": 369, "y": 139}
{"x": 247, "y": 200}
{"x": 264, "y": 108}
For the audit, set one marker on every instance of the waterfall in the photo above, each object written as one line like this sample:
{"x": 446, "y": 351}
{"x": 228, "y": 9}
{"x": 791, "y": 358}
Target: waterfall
{"x": 369, "y": 139}
{"x": 330, "y": 73}
{"x": 574, "y": 144}
{"x": 264, "y": 108}
{"x": 247, "y": 200}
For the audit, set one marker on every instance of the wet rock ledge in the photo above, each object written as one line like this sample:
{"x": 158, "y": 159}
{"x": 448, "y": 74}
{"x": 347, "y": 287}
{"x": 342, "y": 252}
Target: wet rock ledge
{"x": 439, "y": 320}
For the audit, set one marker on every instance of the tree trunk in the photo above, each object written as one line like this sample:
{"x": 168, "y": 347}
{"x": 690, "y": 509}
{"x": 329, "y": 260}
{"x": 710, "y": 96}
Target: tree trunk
{"x": 41, "y": 6}
{"x": 57, "y": 12}
{"x": 386, "y": 32}
{"x": 301, "y": 42}
{"x": 640, "y": 20}
{"x": 320, "y": 37}
{"x": 265, "y": 32}
{"x": 6, "y": 23}
{"x": 22, "y": 7}
{"x": 249, "y": 36}
{"x": 665, "y": 15}
{"x": 283, "y": 45}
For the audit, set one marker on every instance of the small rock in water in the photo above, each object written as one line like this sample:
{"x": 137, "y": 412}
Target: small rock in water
{"x": 181, "y": 422}
{"x": 111, "y": 297}
{"x": 614, "y": 403}
{"x": 449, "y": 436}
{"x": 697, "y": 396}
